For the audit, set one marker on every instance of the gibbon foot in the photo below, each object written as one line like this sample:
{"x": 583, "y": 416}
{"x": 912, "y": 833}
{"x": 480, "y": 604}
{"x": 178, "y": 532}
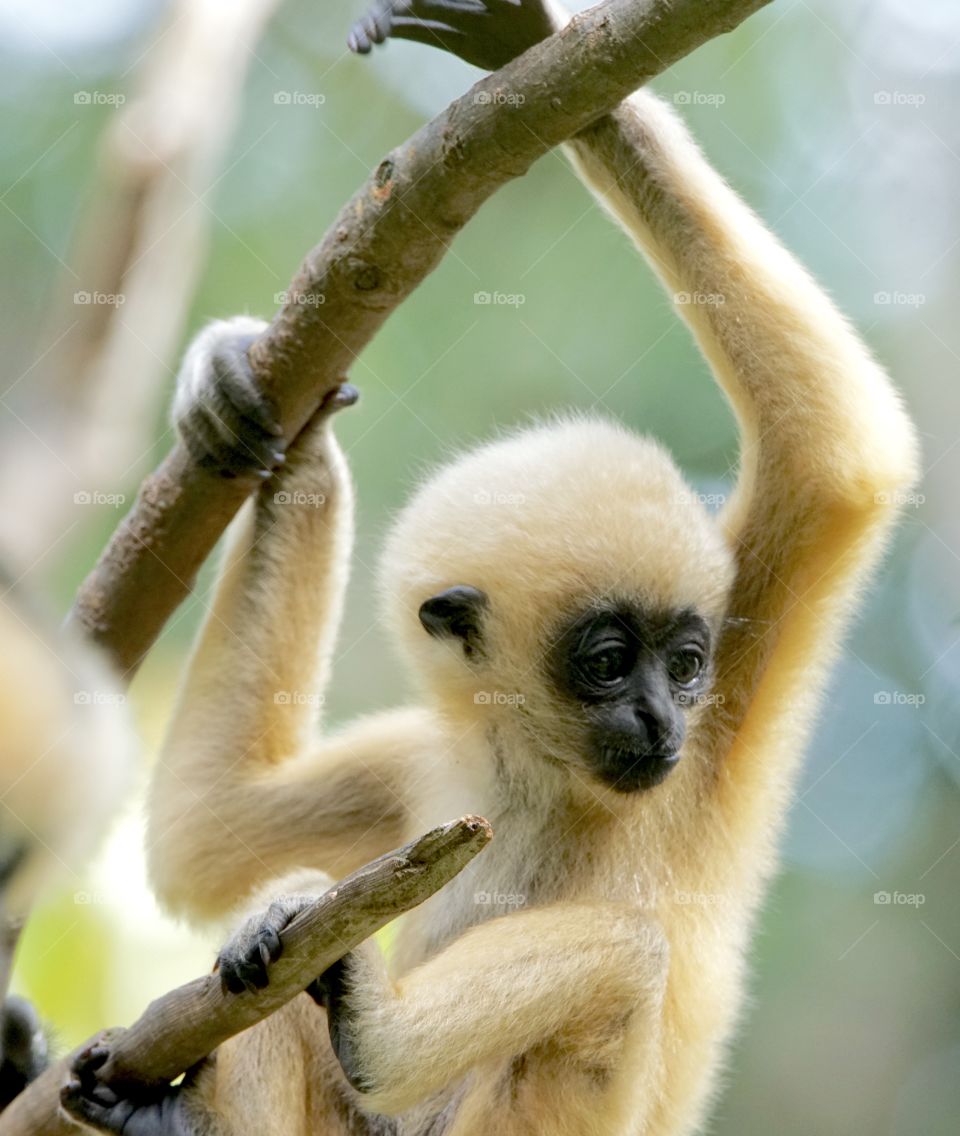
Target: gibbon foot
{"x": 150, "y": 1112}
{"x": 330, "y": 990}
{"x": 486, "y": 33}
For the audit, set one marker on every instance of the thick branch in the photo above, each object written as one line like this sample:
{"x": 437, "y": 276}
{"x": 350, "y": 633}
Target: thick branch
{"x": 184, "y": 1026}
{"x": 384, "y": 242}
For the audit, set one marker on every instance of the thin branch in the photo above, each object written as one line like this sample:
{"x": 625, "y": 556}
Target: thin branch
{"x": 384, "y": 242}
{"x": 187, "y": 1024}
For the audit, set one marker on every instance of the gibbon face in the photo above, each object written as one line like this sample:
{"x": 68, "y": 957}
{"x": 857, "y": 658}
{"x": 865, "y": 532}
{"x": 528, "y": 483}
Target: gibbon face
{"x": 566, "y": 587}
{"x": 631, "y": 675}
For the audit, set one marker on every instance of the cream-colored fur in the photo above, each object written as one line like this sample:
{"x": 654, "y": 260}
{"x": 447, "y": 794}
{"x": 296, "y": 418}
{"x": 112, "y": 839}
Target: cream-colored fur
{"x": 583, "y": 975}
{"x": 65, "y": 752}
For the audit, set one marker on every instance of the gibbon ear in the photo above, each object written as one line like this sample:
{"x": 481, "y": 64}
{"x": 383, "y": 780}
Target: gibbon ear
{"x": 455, "y": 613}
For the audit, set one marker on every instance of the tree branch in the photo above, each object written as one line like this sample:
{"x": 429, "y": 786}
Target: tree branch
{"x": 384, "y": 242}
{"x": 187, "y": 1024}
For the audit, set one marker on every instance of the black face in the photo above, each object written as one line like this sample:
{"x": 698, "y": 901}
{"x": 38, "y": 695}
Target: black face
{"x": 632, "y": 674}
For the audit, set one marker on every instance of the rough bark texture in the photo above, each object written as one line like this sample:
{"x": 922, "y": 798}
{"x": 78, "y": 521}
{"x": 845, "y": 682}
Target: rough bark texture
{"x": 391, "y": 234}
{"x": 187, "y": 1024}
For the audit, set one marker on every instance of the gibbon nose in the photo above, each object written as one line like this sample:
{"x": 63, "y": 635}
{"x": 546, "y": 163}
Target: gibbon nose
{"x": 643, "y": 728}
{"x": 662, "y": 731}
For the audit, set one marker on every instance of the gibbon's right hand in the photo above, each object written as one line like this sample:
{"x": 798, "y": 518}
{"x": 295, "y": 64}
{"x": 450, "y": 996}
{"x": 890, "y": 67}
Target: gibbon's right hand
{"x": 225, "y": 419}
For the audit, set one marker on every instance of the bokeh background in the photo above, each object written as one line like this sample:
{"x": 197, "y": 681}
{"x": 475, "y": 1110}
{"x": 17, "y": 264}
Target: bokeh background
{"x": 836, "y": 119}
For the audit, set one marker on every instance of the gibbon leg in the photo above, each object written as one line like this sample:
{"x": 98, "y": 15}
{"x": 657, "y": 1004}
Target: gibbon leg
{"x": 570, "y": 985}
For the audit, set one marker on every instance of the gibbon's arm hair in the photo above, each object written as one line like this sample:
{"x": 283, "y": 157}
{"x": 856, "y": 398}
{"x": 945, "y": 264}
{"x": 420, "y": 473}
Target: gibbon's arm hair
{"x": 242, "y": 791}
{"x": 65, "y": 751}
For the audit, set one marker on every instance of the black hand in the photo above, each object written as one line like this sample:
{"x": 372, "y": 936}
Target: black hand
{"x": 486, "y": 33}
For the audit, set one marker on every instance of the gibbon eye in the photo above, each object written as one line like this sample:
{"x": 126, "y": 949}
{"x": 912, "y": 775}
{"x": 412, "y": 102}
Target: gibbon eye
{"x": 608, "y": 664}
{"x": 685, "y": 665}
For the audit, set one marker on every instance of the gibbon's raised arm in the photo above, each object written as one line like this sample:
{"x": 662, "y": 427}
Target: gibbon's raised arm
{"x": 826, "y": 447}
{"x": 241, "y": 792}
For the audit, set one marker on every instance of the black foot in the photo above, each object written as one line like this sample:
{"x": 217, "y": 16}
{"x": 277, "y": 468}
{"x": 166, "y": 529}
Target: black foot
{"x": 331, "y": 990}
{"x": 486, "y": 33}
{"x": 24, "y": 1048}
{"x": 151, "y": 1112}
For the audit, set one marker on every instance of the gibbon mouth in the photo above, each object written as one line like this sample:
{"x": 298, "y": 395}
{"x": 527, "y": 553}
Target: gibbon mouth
{"x": 634, "y": 773}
